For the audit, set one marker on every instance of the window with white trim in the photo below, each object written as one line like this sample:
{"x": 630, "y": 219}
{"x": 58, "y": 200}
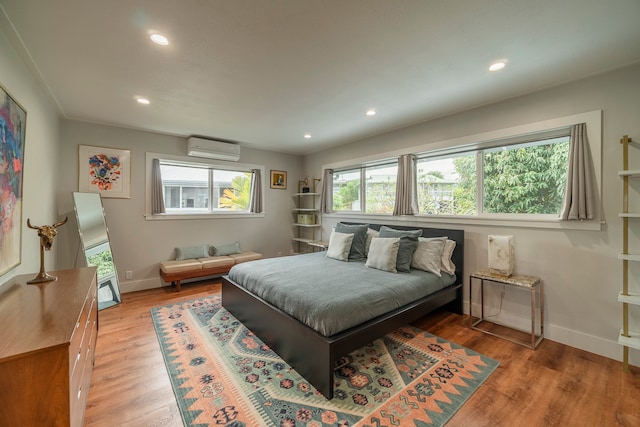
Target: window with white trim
{"x": 514, "y": 179}
{"x": 197, "y": 188}
{"x": 368, "y": 189}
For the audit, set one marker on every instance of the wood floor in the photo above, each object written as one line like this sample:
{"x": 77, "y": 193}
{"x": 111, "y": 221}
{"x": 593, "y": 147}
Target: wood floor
{"x": 555, "y": 385}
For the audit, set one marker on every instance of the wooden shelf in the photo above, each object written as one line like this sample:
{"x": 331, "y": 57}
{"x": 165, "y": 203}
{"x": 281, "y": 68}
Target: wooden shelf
{"x": 629, "y": 215}
{"x": 305, "y": 210}
{"x": 306, "y": 225}
{"x": 632, "y": 341}
{"x": 300, "y": 239}
{"x": 306, "y": 194}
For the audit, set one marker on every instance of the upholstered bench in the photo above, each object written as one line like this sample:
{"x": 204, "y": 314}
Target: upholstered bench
{"x": 178, "y": 270}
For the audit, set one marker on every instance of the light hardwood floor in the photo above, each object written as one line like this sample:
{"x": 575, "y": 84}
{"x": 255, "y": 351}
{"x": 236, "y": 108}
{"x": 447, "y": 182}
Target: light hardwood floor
{"x": 555, "y": 385}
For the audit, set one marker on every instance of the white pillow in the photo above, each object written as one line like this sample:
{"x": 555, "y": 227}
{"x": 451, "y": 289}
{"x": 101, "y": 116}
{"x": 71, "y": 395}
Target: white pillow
{"x": 371, "y": 233}
{"x": 447, "y": 264}
{"x": 383, "y": 253}
{"x": 428, "y": 254}
{"x": 339, "y": 246}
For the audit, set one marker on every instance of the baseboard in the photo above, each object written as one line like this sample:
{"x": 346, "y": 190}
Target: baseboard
{"x": 141, "y": 285}
{"x": 597, "y": 345}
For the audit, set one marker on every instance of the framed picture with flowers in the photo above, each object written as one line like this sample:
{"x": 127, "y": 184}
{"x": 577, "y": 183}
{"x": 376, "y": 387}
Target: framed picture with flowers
{"x": 104, "y": 170}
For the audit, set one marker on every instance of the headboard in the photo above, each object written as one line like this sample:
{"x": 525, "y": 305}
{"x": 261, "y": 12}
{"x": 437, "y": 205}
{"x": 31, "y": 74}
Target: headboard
{"x": 456, "y": 235}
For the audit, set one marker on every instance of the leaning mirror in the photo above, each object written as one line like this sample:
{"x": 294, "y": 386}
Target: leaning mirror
{"x": 94, "y": 239}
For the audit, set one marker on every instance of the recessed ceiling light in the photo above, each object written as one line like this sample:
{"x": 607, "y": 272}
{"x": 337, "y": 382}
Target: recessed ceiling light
{"x": 307, "y": 135}
{"x": 142, "y": 100}
{"x": 159, "y": 39}
{"x": 371, "y": 112}
{"x": 499, "y": 65}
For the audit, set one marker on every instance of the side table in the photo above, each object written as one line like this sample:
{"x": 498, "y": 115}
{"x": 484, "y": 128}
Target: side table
{"x": 531, "y": 283}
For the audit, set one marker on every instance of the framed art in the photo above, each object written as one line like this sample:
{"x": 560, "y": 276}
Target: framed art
{"x": 104, "y": 170}
{"x": 13, "y": 122}
{"x": 279, "y": 179}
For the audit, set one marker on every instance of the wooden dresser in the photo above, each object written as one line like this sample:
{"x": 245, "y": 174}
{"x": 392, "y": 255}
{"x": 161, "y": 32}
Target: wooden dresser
{"x": 48, "y": 335}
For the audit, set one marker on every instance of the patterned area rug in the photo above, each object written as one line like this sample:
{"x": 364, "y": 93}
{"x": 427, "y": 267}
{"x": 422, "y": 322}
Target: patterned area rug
{"x": 223, "y": 375}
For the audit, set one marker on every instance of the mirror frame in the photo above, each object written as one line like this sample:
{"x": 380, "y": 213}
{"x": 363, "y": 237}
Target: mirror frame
{"x": 96, "y": 243}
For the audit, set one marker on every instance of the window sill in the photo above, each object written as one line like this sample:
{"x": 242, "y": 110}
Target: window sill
{"x": 552, "y": 224}
{"x": 169, "y": 217}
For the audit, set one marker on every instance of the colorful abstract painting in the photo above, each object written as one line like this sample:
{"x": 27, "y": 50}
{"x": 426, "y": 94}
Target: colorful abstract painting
{"x": 104, "y": 170}
{"x": 13, "y": 120}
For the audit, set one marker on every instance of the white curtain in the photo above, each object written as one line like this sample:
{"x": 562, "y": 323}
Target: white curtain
{"x": 580, "y": 193}
{"x": 255, "y": 202}
{"x": 326, "y": 196}
{"x": 157, "y": 197}
{"x": 406, "y": 191}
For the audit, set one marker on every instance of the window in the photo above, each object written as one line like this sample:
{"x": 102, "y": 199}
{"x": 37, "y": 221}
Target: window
{"x": 514, "y": 176}
{"x": 202, "y": 189}
{"x": 376, "y": 196}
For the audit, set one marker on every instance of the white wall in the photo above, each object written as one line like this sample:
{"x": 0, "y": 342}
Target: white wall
{"x": 139, "y": 245}
{"x": 580, "y": 270}
{"x": 41, "y": 162}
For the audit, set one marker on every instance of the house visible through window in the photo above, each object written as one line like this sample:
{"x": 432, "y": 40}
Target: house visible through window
{"x": 201, "y": 189}
{"x": 376, "y": 196}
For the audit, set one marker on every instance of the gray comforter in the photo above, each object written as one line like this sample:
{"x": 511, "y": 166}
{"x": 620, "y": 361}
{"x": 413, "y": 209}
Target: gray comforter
{"x": 330, "y": 295}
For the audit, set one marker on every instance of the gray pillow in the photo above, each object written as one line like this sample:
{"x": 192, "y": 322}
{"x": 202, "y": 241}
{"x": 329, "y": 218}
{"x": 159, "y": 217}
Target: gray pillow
{"x": 192, "y": 252}
{"x": 383, "y": 253}
{"x": 408, "y": 245}
{"x": 359, "y": 239}
{"x": 233, "y": 248}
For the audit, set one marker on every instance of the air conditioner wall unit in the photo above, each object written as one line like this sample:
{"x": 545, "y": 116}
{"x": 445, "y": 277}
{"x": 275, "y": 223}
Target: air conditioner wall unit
{"x": 212, "y": 149}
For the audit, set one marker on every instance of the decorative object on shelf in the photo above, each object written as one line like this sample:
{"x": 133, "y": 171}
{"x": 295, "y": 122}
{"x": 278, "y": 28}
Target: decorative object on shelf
{"x": 46, "y": 234}
{"x": 12, "y": 138}
{"x": 501, "y": 255}
{"x": 279, "y": 179}
{"x": 305, "y": 185}
{"x": 104, "y": 170}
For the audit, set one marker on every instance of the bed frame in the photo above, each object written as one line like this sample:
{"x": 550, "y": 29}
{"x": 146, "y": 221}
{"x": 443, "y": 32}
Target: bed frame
{"x": 313, "y": 355}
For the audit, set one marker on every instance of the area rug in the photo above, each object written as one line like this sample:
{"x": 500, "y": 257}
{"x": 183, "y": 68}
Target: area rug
{"x": 223, "y": 375}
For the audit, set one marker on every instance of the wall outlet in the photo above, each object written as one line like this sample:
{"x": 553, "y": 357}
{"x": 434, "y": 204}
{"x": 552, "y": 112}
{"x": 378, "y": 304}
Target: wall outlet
{"x": 279, "y": 253}
{"x": 128, "y": 274}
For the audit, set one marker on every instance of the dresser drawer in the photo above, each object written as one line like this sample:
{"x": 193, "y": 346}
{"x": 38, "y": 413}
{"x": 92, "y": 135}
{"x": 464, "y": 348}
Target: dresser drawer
{"x": 87, "y": 342}
{"x": 79, "y": 333}
{"x": 81, "y": 379}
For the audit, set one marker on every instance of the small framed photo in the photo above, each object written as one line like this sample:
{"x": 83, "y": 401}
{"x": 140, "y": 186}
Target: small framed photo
{"x": 279, "y": 179}
{"x": 104, "y": 170}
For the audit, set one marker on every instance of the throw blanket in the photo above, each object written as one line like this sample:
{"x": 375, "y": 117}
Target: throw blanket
{"x": 331, "y": 296}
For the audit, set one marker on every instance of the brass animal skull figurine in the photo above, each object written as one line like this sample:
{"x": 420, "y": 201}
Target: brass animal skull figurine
{"x": 46, "y": 234}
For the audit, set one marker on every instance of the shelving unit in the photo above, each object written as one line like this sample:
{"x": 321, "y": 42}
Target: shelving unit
{"x": 306, "y": 218}
{"x": 629, "y": 298}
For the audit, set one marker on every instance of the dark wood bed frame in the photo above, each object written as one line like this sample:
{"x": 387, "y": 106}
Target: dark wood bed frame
{"x": 313, "y": 355}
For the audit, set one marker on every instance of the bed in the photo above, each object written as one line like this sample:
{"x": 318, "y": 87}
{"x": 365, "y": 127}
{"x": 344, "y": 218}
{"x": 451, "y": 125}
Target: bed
{"x": 313, "y": 354}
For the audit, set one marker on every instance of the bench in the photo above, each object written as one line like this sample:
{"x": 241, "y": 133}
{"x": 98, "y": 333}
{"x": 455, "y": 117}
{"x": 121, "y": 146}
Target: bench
{"x": 176, "y": 271}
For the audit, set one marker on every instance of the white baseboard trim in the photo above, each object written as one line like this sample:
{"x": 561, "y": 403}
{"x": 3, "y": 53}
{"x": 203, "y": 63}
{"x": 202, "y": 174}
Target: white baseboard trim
{"x": 141, "y": 285}
{"x": 593, "y": 344}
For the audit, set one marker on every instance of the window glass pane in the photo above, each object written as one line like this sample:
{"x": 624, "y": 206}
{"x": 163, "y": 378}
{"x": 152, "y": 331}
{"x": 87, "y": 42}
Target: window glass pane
{"x": 525, "y": 178}
{"x": 191, "y": 189}
{"x": 231, "y": 190}
{"x": 346, "y": 190}
{"x": 380, "y": 189}
{"x": 447, "y": 186}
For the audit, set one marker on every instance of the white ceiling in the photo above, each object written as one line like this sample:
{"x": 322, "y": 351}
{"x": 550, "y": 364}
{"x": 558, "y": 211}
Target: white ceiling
{"x": 265, "y": 72}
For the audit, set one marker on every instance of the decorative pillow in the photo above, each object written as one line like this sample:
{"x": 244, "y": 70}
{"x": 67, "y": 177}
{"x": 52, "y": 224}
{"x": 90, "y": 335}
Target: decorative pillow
{"x": 339, "y": 245}
{"x": 408, "y": 245}
{"x": 233, "y": 248}
{"x": 428, "y": 254}
{"x": 359, "y": 238}
{"x": 447, "y": 264}
{"x": 192, "y": 252}
{"x": 371, "y": 233}
{"x": 383, "y": 253}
